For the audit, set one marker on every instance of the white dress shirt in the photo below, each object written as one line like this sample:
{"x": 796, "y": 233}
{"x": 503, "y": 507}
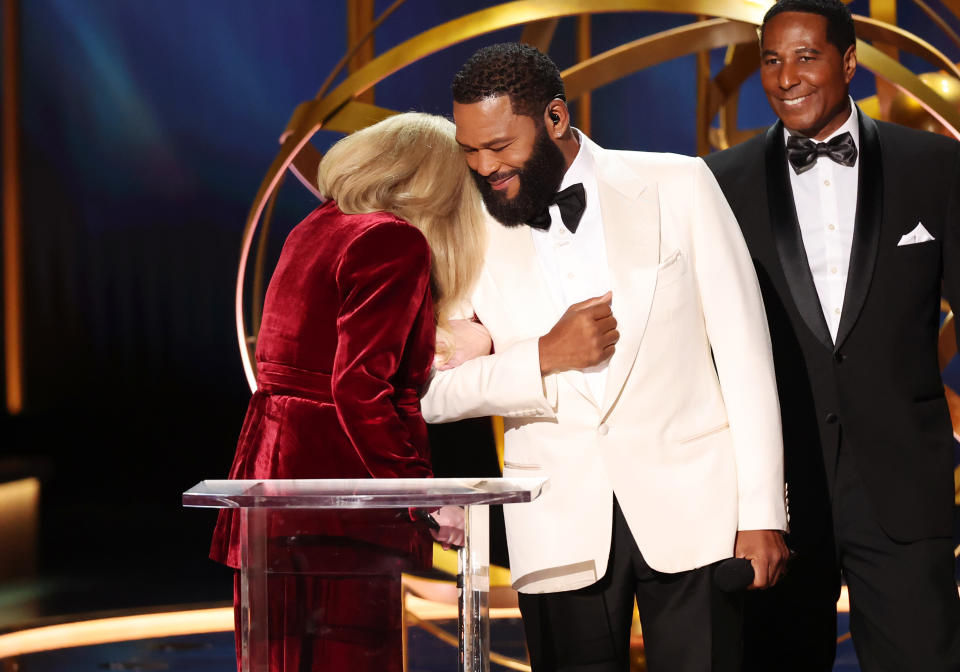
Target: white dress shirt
{"x": 826, "y": 201}
{"x": 575, "y": 265}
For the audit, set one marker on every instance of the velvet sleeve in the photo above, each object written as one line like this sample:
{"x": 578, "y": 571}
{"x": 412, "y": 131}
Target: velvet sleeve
{"x": 383, "y": 282}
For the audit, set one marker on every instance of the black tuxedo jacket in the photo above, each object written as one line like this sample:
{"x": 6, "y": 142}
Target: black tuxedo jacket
{"x": 879, "y": 385}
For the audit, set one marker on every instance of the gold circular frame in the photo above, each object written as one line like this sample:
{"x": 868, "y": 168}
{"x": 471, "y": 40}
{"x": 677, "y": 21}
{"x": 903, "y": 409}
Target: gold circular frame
{"x": 730, "y": 23}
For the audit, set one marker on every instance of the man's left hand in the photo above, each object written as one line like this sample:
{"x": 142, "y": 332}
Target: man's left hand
{"x": 451, "y": 522}
{"x": 767, "y": 553}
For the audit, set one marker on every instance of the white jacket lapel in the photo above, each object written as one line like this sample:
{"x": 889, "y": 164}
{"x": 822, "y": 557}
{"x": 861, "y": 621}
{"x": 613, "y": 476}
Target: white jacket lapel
{"x": 631, "y": 222}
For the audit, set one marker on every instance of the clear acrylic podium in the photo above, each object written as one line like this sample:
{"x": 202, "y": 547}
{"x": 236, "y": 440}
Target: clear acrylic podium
{"x": 364, "y": 510}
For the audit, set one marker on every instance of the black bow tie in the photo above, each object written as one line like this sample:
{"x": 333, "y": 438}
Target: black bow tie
{"x": 571, "y": 202}
{"x": 802, "y": 153}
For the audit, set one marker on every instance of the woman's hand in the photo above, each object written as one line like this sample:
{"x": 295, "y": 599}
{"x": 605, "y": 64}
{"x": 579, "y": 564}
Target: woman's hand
{"x": 451, "y": 521}
{"x": 471, "y": 340}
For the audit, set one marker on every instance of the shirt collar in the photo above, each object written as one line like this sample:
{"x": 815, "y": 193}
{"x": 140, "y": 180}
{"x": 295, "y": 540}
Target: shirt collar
{"x": 583, "y": 168}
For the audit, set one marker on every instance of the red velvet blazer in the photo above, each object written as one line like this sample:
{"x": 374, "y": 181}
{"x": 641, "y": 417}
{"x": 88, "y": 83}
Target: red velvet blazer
{"x": 345, "y": 345}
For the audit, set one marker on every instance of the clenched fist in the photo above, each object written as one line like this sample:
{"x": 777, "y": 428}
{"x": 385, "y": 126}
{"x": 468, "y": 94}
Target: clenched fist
{"x": 585, "y": 336}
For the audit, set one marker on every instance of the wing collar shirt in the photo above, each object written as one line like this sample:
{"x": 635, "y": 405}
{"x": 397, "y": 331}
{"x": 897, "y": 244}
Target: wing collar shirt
{"x": 826, "y": 202}
{"x": 575, "y": 265}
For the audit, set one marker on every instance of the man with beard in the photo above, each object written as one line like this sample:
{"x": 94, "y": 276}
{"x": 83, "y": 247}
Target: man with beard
{"x": 660, "y": 463}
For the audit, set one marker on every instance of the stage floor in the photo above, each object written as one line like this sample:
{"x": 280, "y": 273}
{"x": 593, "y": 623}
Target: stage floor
{"x": 214, "y": 652}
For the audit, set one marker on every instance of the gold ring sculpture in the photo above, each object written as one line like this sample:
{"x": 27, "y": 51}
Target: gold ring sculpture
{"x": 730, "y": 23}
{"x": 930, "y": 101}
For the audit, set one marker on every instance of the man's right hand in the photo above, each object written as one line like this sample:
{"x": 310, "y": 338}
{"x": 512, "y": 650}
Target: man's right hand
{"x": 585, "y": 336}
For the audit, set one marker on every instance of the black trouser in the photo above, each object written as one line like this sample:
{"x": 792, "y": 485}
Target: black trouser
{"x": 904, "y": 609}
{"x": 688, "y": 625}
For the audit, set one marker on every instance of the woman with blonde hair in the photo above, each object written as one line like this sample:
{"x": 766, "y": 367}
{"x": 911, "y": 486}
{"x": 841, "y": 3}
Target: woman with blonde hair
{"x": 346, "y": 343}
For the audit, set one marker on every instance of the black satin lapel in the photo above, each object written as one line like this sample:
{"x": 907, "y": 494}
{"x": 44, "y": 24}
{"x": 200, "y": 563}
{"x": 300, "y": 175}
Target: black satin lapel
{"x": 789, "y": 241}
{"x": 866, "y": 229}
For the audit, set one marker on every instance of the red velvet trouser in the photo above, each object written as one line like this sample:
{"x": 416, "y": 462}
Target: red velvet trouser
{"x": 320, "y": 624}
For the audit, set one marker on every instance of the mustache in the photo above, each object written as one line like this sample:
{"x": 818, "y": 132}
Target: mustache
{"x": 500, "y": 175}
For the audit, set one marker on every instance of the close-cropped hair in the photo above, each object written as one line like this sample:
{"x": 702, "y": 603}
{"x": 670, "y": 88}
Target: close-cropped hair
{"x": 517, "y": 70}
{"x": 410, "y": 165}
{"x": 840, "y": 29}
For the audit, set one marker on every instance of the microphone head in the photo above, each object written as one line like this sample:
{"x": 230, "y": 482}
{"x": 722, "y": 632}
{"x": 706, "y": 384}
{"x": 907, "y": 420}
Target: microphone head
{"x": 733, "y": 574}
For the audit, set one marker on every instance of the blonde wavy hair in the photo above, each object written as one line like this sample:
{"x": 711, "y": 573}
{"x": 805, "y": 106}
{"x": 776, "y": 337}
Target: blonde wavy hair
{"x": 411, "y": 166}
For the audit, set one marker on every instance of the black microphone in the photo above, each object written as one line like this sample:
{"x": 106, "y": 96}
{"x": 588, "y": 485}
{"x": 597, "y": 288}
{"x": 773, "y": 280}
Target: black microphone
{"x": 425, "y": 519}
{"x": 733, "y": 574}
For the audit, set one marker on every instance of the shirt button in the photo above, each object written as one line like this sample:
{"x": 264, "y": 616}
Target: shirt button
{"x": 570, "y": 276}
{"x": 836, "y": 310}
{"x": 826, "y": 183}
{"x": 603, "y": 429}
{"x": 833, "y": 270}
{"x": 831, "y": 227}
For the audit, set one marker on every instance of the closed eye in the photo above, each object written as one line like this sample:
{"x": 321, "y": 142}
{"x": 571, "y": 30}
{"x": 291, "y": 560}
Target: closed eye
{"x": 474, "y": 150}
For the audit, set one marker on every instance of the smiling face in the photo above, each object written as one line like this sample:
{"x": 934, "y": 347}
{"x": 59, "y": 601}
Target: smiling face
{"x": 805, "y": 77}
{"x": 516, "y": 165}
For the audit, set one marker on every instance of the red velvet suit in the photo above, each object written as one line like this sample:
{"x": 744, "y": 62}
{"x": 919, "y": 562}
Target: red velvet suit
{"x": 345, "y": 345}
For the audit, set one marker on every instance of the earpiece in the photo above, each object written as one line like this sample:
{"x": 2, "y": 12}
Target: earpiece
{"x": 554, "y": 117}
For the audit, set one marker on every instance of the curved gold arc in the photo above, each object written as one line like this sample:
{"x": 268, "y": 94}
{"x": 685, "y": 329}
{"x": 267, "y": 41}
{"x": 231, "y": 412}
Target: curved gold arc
{"x": 351, "y": 52}
{"x": 741, "y": 61}
{"x": 651, "y": 50}
{"x": 540, "y": 34}
{"x": 953, "y": 6}
{"x": 525, "y": 11}
{"x": 598, "y": 71}
{"x": 947, "y": 341}
{"x": 509, "y": 15}
{"x": 591, "y": 74}
{"x": 312, "y": 115}
{"x": 284, "y": 158}
{"x": 895, "y": 36}
{"x": 892, "y": 71}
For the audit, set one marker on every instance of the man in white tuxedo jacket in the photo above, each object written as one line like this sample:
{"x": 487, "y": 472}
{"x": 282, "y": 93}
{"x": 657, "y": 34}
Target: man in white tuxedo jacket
{"x": 632, "y": 366}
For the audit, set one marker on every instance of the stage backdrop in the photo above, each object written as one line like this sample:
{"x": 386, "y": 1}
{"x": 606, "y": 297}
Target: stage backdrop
{"x": 146, "y": 129}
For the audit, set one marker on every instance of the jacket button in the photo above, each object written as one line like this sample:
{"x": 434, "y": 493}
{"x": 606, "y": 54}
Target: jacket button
{"x": 839, "y": 357}
{"x": 831, "y": 418}
{"x": 603, "y": 429}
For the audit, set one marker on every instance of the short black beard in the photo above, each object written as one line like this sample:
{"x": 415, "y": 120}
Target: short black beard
{"x": 539, "y": 177}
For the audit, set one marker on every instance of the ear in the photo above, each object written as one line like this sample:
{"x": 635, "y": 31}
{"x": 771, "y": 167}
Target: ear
{"x": 556, "y": 118}
{"x": 850, "y": 63}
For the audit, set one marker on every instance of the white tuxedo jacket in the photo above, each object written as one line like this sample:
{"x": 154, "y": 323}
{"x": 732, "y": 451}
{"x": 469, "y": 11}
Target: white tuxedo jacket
{"x": 693, "y": 452}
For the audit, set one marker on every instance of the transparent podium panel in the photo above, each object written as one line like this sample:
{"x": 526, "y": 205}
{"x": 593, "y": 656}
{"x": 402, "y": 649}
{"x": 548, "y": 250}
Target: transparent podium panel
{"x": 321, "y": 565}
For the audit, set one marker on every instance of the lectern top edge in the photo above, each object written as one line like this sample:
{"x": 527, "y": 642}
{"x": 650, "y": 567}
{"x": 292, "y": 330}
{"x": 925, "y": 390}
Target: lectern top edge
{"x": 362, "y": 493}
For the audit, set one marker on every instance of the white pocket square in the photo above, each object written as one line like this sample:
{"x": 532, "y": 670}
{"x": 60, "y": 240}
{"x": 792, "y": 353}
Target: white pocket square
{"x": 918, "y": 235}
